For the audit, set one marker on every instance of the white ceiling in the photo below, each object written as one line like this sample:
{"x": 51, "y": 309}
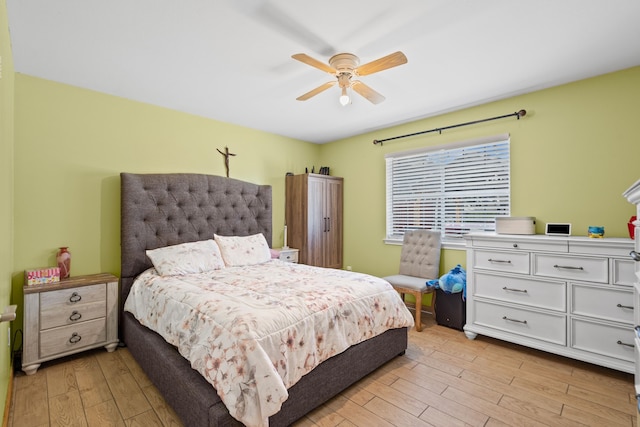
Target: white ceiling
{"x": 230, "y": 60}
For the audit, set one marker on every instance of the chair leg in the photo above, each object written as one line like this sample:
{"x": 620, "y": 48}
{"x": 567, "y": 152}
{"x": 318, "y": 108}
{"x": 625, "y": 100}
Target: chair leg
{"x": 418, "y": 296}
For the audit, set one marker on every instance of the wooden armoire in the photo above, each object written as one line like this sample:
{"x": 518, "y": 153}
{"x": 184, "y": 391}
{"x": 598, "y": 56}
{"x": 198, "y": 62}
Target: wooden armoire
{"x": 313, "y": 215}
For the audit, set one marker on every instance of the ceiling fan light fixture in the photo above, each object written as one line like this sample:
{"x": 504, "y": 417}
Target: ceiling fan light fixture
{"x": 344, "y": 98}
{"x": 344, "y": 66}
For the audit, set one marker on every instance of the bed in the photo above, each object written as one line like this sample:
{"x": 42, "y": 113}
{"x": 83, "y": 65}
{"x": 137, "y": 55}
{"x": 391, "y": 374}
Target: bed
{"x": 160, "y": 210}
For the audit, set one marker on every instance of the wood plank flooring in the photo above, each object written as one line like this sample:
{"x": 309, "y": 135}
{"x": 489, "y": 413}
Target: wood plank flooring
{"x": 444, "y": 379}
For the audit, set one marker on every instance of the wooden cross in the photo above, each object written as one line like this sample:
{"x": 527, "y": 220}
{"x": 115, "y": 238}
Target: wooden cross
{"x": 226, "y": 155}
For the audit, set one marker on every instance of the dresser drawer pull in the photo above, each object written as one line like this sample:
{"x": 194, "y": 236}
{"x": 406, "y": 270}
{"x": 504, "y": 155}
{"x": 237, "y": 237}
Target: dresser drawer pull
{"x": 505, "y": 261}
{"x": 634, "y": 255}
{"x": 568, "y": 267}
{"x": 624, "y": 343}
{"x": 75, "y": 338}
{"x": 75, "y": 297}
{"x": 514, "y": 320}
{"x": 514, "y": 290}
{"x": 75, "y": 316}
{"x": 624, "y": 306}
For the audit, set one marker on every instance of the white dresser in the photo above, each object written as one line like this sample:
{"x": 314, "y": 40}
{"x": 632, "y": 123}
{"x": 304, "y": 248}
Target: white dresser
{"x": 633, "y": 196}
{"x": 571, "y": 296}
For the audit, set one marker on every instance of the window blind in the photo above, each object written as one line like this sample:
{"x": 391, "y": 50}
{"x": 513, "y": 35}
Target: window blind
{"x": 455, "y": 190}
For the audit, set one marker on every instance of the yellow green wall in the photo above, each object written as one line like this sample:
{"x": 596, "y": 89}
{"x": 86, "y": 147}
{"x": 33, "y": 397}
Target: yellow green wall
{"x": 72, "y": 144}
{"x": 6, "y": 193}
{"x": 572, "y": 156}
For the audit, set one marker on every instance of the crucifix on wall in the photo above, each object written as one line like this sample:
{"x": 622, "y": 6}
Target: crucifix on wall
{"x": 226, "y": 155}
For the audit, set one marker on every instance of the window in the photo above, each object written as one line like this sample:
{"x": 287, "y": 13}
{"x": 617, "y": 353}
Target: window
{"x": 456, "y": 190}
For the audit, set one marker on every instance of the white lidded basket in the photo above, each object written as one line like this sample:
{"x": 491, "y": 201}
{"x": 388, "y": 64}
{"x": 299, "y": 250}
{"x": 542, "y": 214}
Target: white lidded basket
{"x": 516, "y": 225}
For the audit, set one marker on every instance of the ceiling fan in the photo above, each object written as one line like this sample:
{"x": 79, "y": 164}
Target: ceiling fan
{"x": 345, "y": 67}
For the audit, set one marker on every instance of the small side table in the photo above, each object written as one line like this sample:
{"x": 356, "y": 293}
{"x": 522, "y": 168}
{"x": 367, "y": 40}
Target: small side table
{"x": 72, "y": 315}
{"x": 289, "y": 255}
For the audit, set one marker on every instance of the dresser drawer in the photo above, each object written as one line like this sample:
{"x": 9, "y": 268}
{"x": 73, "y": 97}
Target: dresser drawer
{"x": 524, "y": 244}
{"x": 526, "y": 291}
{"x": 72, "y": 338}
{"x": 54, "y": 316}
{"x": 613, "y": 247}
{"x": 542, "y": 326}
{"x": 603, "y": 339}
{"x": 623, "y": 272}
{"x": 59, "y": 299}
{"x": 512, "y": 262}
{"x": 604, "y": 303}
{"x": 573, "y": 268}
{"x": 636, "y": 382}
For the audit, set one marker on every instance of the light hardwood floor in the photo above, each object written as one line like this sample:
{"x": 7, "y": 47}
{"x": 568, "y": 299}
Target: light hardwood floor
{"x": 444, "y": 379}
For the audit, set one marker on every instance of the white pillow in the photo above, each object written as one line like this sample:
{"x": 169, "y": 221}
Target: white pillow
{"x": 243, "y": 250}
{"x": 187, "y": 258}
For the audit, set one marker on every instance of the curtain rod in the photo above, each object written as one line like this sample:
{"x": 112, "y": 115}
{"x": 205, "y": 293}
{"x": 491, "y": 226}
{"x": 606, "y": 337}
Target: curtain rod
{"x": 517, "y": 114}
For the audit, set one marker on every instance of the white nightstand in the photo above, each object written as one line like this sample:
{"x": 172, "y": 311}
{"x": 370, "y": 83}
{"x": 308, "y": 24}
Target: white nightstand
{"x": 69, "y": 316}
{"x": 289, "y": 255}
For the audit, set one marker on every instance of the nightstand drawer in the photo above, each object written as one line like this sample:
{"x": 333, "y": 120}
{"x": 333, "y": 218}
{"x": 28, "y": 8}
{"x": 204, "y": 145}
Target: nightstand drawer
{"x": 289, "y": 255}
{"x": 52, "y": 317}
{"x": 71, "y": 338}
{"x": 62, "y": 298}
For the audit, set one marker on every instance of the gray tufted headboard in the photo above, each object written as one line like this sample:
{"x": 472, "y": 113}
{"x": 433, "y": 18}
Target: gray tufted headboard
{"x": 167, "y": 209}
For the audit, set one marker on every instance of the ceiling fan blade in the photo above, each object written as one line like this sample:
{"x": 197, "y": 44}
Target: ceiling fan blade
{"x": 367, "y": 92}
{"x": 386, "y": 62}
{"x": 279, "y": 20}
{"x": 315, "y": 91}
{"x": 314, "y": 62}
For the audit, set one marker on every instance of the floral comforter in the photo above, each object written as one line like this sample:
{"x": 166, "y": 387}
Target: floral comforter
{"x": 254, "y": 331}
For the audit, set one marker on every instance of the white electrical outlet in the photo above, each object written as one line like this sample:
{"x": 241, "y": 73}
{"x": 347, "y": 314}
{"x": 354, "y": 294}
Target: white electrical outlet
{"x": 348, "y": 268}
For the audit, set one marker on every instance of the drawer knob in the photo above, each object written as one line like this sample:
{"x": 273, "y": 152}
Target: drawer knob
{"x": 634, "y": 255}
{"x": 75, "y": 297}
{"x": 514, "y": 320}
{"x": 75, "y": 338}
{"x": 75, "y": 316}
{"x": 624, "y": 343}
{"x": 624, "y": 306}
{"x": 568, "y": 267}
{"x": 515, "y": 245}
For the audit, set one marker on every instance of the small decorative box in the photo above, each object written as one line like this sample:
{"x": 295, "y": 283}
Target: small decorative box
{"x": 41, "y": 276}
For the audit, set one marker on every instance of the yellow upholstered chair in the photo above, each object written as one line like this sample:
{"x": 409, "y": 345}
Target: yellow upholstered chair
{"x": 419, "y": 262}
